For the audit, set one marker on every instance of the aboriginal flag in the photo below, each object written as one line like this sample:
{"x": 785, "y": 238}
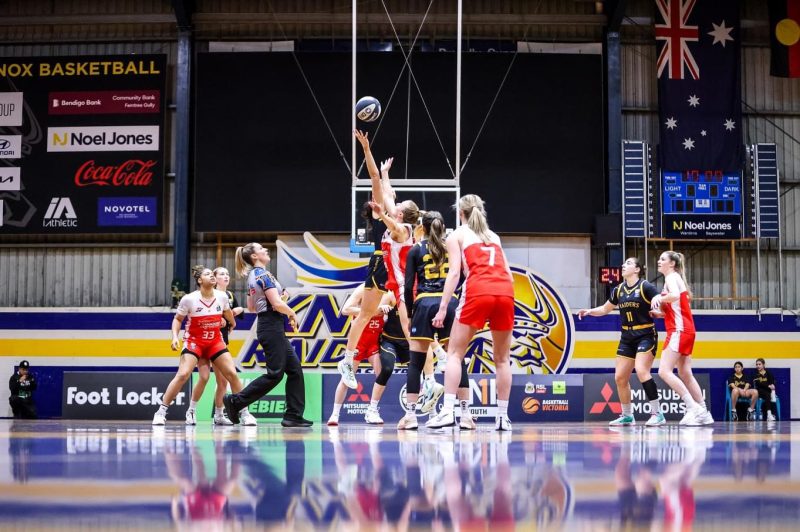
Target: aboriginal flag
{"x": 784, "y": 25}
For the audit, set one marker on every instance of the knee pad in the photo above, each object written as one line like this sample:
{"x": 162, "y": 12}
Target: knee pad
{"x": 650, "y": 389}
{"x": 387, "y": 368}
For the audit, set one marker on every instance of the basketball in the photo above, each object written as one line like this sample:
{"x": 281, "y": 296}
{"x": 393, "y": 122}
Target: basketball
{"x": 368, "y": 109}
{"x": 530, "y": 405}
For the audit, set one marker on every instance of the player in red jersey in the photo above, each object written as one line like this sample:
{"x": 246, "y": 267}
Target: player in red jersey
{"x": 487, "y": 295}
{"x": 378, "y": 278}
{"x": 368, "y": 347}
{"x": 204, "y": 309}
{"x": 223, "y": 278}
{"x": 673, "y": 302}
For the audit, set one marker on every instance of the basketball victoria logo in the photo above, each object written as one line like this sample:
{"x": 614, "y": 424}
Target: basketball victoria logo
{"x": 543, "y": 337}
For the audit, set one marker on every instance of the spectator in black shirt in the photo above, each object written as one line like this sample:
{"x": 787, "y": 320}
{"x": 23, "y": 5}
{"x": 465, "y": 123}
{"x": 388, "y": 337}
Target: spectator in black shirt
{"x": 22, "y": 385}
{"x": 739, "y": 386}
{"x": 764, "y": 383}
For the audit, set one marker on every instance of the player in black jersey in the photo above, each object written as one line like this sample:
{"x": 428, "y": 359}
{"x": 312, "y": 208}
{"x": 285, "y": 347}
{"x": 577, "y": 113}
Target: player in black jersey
{"x": 375, "y": 283}
{"x": 427, "y": 265}
{"x": 639, "y": 340}
{"x": 739, "y": 386}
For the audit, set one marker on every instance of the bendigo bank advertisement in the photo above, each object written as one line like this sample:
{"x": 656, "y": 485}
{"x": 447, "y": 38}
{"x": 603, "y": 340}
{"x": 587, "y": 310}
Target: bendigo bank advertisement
{"x": 82, "y": 144}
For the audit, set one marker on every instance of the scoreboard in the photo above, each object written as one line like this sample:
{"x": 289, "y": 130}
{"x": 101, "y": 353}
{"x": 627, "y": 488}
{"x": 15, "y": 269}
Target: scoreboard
{"x": 710, "y": 192}
{"x": 701, "y": 204}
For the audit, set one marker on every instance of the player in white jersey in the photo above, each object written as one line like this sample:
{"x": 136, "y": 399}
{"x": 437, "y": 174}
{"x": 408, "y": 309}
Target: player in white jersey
{"x": 204, "y": 366}
{"x": 203, "y": 311}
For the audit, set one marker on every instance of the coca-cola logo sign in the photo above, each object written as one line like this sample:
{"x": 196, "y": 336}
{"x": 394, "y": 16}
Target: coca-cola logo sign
{"x": 131, "y": 173}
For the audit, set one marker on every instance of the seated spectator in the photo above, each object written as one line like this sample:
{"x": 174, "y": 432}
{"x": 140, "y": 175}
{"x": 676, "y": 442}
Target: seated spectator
{"x": 22, "y": 385}
{"x": 764, "y": 384}
{"x": 739, "y": 386}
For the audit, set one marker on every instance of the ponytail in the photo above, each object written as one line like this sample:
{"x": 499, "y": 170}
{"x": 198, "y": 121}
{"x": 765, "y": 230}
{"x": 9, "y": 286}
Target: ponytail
{"x": 472, "y": 207}
{"x": 680, "y": 267}
{"x": 244, "y": 260}
{"x": 411, "y": 212}
{"x": 433, "y": 224}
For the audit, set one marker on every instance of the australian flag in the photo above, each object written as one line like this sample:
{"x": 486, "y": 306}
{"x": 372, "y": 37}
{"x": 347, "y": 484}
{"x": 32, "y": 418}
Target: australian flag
{"x": 699, "y": 85}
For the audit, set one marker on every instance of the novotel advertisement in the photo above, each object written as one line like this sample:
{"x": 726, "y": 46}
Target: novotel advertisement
{"x": 82, "y": 144}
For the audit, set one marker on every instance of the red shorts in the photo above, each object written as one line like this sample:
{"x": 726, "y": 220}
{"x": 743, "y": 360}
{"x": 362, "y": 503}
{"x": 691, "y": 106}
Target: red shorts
{"x": 207, "y": 350}
{"x": 475, "y": 311}
{"x": 369, "y": 343}
{"x": 680, "y": 341}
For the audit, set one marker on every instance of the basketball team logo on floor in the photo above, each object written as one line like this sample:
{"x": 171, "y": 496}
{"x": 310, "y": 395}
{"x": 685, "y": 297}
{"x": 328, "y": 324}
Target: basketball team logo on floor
{"x": 544, "y": 333}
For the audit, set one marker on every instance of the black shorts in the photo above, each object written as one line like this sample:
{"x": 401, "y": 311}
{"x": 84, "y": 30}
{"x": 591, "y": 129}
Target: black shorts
{"x": 396, "y": 348}
{"x": 376, "y": 273}
{"x": 630, "y": 345}
{"x": 425, "y": 308}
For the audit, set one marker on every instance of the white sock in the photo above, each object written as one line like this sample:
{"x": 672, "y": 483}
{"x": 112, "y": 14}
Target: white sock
{"x": 219, "y": 410}
{"x": 627, "y": 409}
{"x": 502, "y": 407}
{"x": 430, "y": 381}
{"x": 192, "y": 405}
{"x": 449, "y": 402}
{"x": 655, "y": 407}
{"x": 690, "y": 403}
{"x": 162, "y": 409}
{"x": 244, "y": 411}
{"x": 348, "y": 356}
{"x": 336, "y": 408}
{"x": 373, "y": 405}
{"x": 464, "y": 407}
{"x": 440, "y": 353}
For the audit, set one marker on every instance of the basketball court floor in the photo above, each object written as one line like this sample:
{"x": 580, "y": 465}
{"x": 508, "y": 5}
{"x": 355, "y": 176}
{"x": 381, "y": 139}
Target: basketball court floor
{"x": 124, "y": 475}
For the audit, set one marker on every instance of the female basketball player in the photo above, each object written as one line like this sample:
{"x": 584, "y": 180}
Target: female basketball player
{"x": 223, "y": 278}
{"x": 764, "y": 383}
{"x": 673, "y": 302}
{"x": 264, "y": 297}
{"x": 739, "y": 387}
{"x": 639, "y": 340}
{"x": 375, "y": 284}
{"x": 427, "y": 266}
{"x": 368, "y": 349}
{"x": 386, "y": 269}
{"x": 488, "y": 295}
{"x": 205, "y": 308}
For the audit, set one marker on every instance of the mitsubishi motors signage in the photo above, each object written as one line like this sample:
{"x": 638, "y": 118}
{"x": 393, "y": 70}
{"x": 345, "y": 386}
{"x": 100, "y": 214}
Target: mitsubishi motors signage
{"x": 601, "y": 400}
{"x": 82, "y": 144}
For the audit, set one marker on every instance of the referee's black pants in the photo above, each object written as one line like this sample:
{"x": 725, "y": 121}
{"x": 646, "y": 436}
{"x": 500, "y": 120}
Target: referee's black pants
{"x": 281, "y": 359}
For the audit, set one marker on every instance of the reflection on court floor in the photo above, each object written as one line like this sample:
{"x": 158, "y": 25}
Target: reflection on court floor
{"x": 94, "y": 475}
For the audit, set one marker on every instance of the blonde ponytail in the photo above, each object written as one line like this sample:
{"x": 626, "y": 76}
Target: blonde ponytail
{"x": 244, "y": 261}
{"x": 472, "y": 207}
{"x": 680, "y": 267}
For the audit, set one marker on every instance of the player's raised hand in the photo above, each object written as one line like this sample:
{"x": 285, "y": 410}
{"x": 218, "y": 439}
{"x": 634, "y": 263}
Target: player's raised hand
{"x": 363, "y": 138}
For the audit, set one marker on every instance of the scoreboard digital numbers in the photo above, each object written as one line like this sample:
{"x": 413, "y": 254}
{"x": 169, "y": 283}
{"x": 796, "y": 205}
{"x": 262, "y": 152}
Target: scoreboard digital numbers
{"x": 701, "y": 205}
{"x": 710, "y": 192}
